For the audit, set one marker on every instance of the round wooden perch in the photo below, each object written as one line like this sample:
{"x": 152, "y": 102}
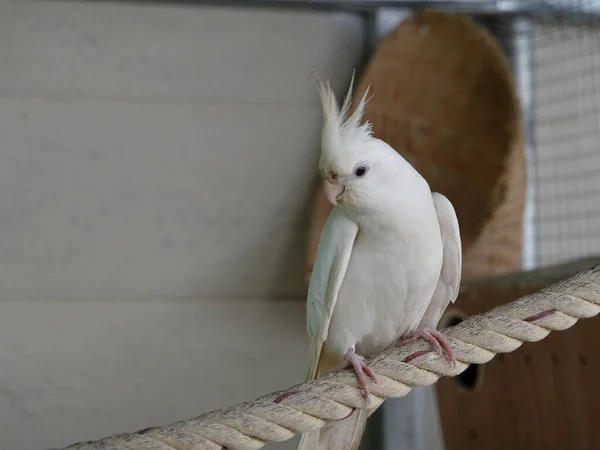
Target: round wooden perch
{"x": 310, "y": 405}
{"x": 443, "y": 96}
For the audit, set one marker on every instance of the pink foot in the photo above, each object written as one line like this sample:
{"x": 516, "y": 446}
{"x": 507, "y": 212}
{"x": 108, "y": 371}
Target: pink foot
{"x": 357, "y": 362}
{"x": 434, "y": 337}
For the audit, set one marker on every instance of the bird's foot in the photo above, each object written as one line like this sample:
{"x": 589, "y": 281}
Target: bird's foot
{"x": 351, "y": 359}
{"x": 435, "y": 338}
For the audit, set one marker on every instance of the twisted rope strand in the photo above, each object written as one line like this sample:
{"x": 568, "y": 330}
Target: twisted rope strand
{"x": 310, "y": 405}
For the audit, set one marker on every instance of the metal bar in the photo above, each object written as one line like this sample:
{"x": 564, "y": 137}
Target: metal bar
{"x": 549, "y": 8}
{"x": 515, "y": 36}
{"x": 521, "y": 46}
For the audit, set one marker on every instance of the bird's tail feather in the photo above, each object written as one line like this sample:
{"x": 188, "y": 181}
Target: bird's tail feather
{"x": 345, "y": 434}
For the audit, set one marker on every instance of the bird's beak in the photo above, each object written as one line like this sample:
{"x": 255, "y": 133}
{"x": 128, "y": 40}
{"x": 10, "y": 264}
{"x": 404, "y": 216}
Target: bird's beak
{"x": 333, "y": 191}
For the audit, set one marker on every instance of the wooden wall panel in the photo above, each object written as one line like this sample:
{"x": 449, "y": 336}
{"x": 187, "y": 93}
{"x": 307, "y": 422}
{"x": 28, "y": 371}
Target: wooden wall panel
{"x": 543, "y": 396}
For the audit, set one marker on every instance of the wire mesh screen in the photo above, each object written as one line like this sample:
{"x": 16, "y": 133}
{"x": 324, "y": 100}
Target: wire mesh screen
{"x": 566, "y": 113}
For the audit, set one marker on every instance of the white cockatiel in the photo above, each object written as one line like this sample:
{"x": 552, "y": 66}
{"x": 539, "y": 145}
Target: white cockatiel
{"x": 388, "y": 261}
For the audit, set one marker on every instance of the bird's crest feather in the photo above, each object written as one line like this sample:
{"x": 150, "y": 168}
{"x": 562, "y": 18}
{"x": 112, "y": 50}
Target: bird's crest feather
{"x": 341, "y": 131}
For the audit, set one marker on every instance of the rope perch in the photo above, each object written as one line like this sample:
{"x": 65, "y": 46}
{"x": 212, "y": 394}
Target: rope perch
{"x": 310, "y": 405}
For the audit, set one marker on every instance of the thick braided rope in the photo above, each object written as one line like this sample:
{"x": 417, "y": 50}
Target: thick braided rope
{"x": 310, "y": 405}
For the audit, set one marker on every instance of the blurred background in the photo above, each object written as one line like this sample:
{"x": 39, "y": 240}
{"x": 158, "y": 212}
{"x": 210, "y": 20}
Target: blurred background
{"x": 158, "y": 183}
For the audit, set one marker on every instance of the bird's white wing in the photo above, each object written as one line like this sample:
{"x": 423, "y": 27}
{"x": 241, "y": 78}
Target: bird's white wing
{"x": 449, "y": 282}
{"x": 333, "y": 254}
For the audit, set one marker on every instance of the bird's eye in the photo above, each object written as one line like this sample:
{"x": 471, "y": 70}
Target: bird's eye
{"x": 360, "y": 171}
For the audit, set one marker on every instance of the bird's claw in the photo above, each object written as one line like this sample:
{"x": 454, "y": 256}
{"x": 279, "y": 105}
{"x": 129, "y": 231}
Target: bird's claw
{"x": 435, "y": 338}
{"x": 351, "y": 359}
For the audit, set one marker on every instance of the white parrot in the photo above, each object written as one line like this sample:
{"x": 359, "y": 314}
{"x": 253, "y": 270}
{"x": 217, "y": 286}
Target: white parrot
{"x": 388, "y": 261}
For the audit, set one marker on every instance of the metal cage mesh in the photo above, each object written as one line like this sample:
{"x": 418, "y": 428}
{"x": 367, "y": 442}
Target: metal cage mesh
{"x": 566, "y": 132}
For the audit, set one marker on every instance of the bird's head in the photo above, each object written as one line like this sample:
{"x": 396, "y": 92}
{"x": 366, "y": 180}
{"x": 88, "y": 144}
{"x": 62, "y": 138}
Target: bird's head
{"x": 356, "y": 167}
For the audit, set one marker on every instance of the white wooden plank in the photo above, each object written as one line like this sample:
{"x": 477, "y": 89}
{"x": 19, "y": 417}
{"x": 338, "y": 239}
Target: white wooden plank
{"x": 172, "y": 53}
{"x": 75, "y": 371}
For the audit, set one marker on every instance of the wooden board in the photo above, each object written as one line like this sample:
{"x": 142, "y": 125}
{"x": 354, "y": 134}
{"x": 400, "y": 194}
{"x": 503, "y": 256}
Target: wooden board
{"x": 545, "y": 395}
